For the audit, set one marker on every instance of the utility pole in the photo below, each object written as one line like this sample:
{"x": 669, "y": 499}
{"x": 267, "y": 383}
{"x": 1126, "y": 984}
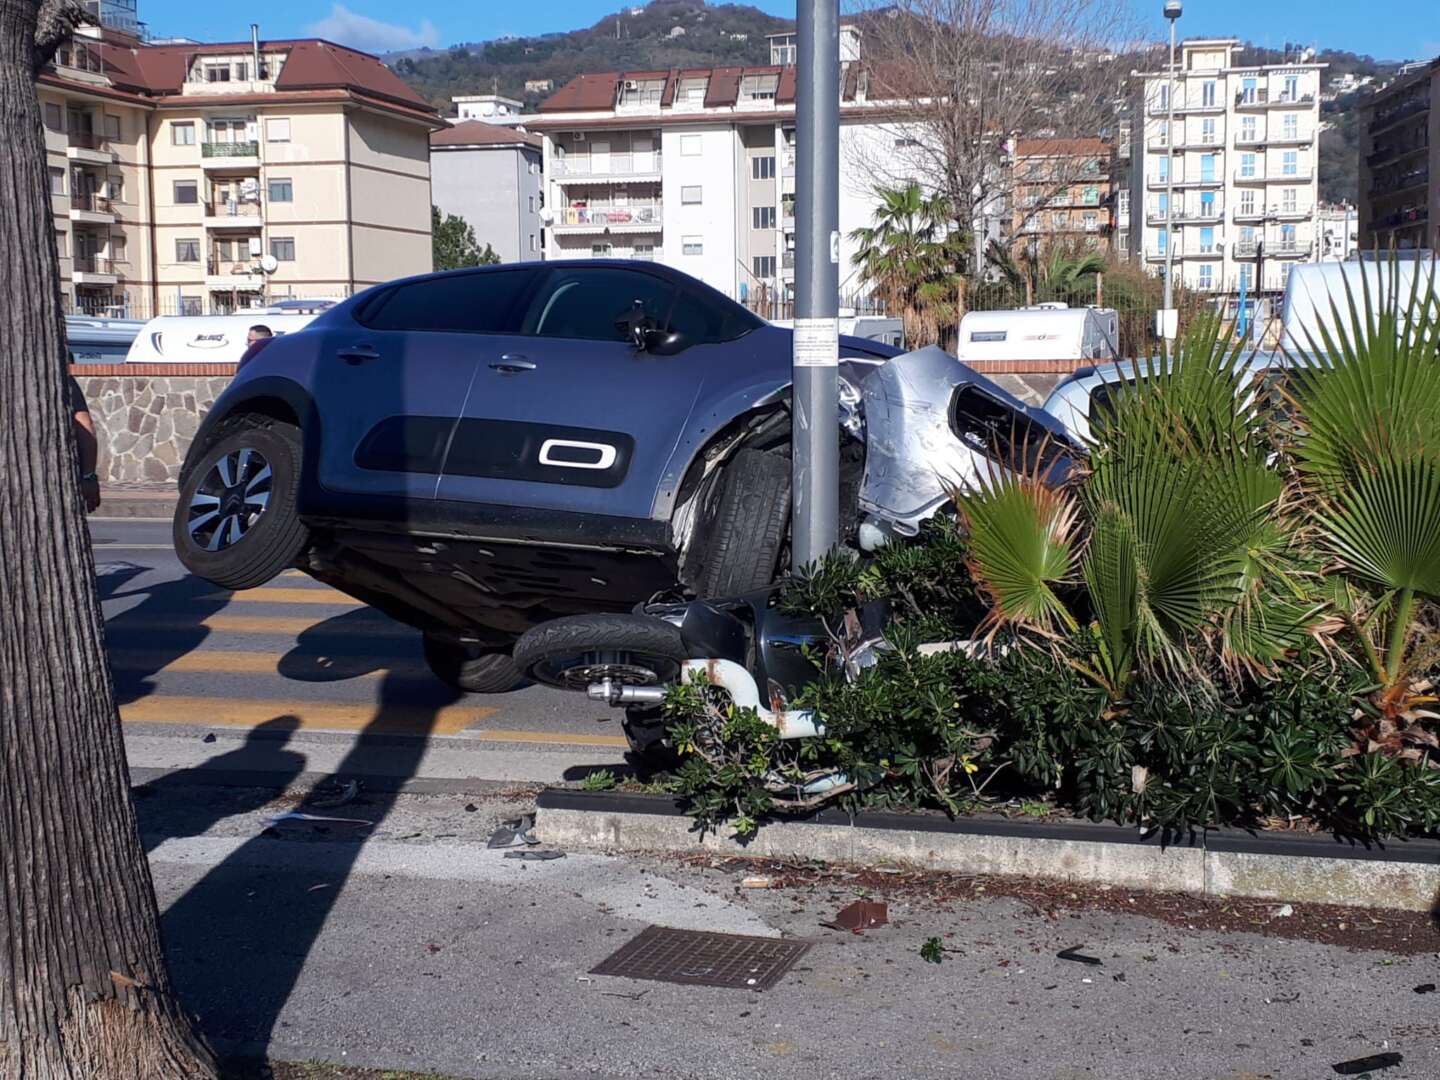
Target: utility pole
{"x": 1167, "y": 320}
{"x": 815, "y": 434}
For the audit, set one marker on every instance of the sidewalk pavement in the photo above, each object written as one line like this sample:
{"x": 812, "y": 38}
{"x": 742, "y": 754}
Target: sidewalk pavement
{"x": 137, "y": 501}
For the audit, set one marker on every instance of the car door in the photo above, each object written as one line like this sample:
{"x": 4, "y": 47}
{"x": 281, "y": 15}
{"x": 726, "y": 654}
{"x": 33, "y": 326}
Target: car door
{"x": 583, "y": 421}
{"x": 392, "y": 382}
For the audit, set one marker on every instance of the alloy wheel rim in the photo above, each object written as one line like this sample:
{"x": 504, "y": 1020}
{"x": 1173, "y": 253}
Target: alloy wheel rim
{"x": 230, "y": 500}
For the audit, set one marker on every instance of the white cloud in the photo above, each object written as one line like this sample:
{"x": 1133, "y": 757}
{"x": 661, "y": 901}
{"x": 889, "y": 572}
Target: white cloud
{"x": 371, "y": 35}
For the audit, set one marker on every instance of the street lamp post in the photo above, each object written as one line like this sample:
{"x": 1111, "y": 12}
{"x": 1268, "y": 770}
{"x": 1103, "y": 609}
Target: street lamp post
{"x": 978, "y": 224}
{"x": 1166, "y": 321}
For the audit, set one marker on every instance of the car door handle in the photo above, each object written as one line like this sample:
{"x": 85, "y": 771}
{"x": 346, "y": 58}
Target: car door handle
{"x": 512, "y": 364}
{"x": 358, "y": 354}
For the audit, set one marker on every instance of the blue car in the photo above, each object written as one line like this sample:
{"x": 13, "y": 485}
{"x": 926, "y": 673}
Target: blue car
{"x": 481, "y": 451}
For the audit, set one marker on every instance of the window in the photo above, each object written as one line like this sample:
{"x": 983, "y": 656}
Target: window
{"x": 119, "y": 250}
{"x": 1207, "y": 93}
{"x": 906, "y": 143}
{"x": 690, "y": 194}
{"x": 692, "y": 245}
{"x": 1207, "y": 130}
{"x": 1122, "y": 242}
{"x": 187, "y": 193}
{"x": 1162, "y": 205}
{"x": 57, "y": 181}
{"x": 1290, "y": 126}
{"x": 1090, "y": 196}
{"x": 115, "y": 187}
{"x": 283, "y": 248}
{"x": 644, "y": 252}
{"x": 1207, "y": 240}
{"x": 54, "y": 118}
{"x": 1290, "y": 163}
{"x": 1091, "y": 222}
{"x": 762, "y": 168}
{"x": 485, "y": 302}
{"x": 112, "y": 126}
{"x": 242, "y": 72}
{"x": 1245, "y": 282}
{"x": 1247, "y": 164}
{"x": 762, "y": 217}
{"x": 1122, "y": 203}
{"x": 1289, "y": 201}
{"x": 1249, "y": 90}
{"x": 1247, "y": 202}
{"x": 591, "y": 305}
{"x": 281, "y": 190}
{"x": 1164, "y": 166}
{"x": 701, "y": 319}
{"x": 1247, "y": 129}
{"x": 534, "y": 244}
{"x": 190, "y": 305}
{"x": 1162, "y": 240}
{"x": 1207, "y": 166}
{"x": 217, "y": 73}
{"x": 1292, "y": 88}
{"x": 1287, "y": 237}
{"x": 763, "y": 266}
{"x": 1207, "y": 204}
{"x": 187, "y": 251}
{"x": 1164, "y": 99}
{"x": 691, "y": 145}
{"x": 277, "y": 129}
{"x": 529, "y": 204}
{"x": 182, "y": 133}
{"x": 1059, "y": 219}
{"x": 1207, "y": 276}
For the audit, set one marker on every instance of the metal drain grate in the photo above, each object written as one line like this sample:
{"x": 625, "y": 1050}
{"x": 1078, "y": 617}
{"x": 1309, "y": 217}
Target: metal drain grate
{"x": 700, "y": 958}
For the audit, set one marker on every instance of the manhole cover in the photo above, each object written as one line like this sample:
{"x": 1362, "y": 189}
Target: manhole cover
{"x": 700, "y": 958}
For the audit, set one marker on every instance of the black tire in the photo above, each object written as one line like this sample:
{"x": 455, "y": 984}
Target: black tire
{"x": 252, "y": 542}
{"x": 471, "y": 668}
{"x": 572, "y": 652}
{"x": 747, "y": 530}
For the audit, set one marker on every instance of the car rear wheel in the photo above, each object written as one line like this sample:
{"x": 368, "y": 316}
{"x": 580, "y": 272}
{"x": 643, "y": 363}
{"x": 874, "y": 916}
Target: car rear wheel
{"x": 236, "y": 522}
{"x": 748, "y": 527}
{"x": 471, "y": 668}
{"x": 573, "y": 652}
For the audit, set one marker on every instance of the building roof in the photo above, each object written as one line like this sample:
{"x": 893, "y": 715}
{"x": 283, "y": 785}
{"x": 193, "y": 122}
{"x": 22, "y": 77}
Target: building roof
{"x": 599, "y": 92}
{"x": 479, "y": 133}
{"x": 158, "y": 71}
{"x": 1085, "y": 147}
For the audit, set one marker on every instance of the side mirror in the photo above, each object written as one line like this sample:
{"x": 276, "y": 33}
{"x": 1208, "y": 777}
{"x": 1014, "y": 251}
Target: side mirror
{"x": 663, "y": 342}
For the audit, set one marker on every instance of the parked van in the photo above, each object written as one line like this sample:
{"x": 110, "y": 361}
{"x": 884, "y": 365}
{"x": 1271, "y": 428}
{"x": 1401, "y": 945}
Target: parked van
{"x": 1043, "y": 332}
{"x": 206, "y": 339}
{"x": 94, "y": 340}
{"x": 1312, "y": 288}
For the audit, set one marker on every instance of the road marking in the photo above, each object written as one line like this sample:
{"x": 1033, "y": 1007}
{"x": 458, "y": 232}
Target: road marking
{"x": 558, "y": 738}
{"x": 226, "y": 662}
{"x": 286, "y": 625}
{"x": 269, "y": 594}
{"x": 373, "y": 719}
{"x": 110, "y": 545}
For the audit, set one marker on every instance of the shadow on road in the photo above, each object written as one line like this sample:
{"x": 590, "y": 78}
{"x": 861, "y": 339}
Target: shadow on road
{"x": 168, "y": 623}
{"x": 241, "y": 937}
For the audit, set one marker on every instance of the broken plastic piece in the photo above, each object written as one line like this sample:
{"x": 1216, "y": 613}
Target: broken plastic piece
{"x": 345, "y": 793}
{"x": 759, "y": 881}
{"x": 1075, "y": 957}
{"x": 859, "y": 916}
{"x": 300, "y": 815}
{"x": 1368, "y": 1064}
{"x": 209, "y": 737}
{"x": 535, "y": 856}
{"x": 514, "y": 834}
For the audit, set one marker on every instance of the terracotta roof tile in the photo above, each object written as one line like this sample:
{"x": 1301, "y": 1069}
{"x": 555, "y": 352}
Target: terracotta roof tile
{"x": 584, "y": 92}
{"x": 1056, "y": 147}
{"x": 479, "y": 133}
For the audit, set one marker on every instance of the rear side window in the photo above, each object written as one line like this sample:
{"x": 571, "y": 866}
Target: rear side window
{"x": 593, "y": 304}
{"x": 482, "y": 303}
{"x": 1000, "y": 433}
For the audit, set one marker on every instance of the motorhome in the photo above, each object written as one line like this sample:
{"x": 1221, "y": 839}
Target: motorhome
{"x": 1316, "y": 292}
{"x": 206, "y": 339}
{"x": 1043, "y": 332}
{"x": 95, "y": 340}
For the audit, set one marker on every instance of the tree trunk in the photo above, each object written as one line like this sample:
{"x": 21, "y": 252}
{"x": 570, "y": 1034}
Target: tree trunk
{"x": 84, "y": 991}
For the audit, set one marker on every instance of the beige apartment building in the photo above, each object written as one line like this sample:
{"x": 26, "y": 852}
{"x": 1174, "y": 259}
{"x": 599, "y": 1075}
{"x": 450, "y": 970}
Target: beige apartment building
{"x": 192, "y": 179}
{"x": 1062, "y": 193}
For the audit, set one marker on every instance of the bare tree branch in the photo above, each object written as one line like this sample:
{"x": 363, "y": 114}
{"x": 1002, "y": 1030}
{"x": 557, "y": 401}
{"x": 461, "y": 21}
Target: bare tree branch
{"x": 54, "y": 24}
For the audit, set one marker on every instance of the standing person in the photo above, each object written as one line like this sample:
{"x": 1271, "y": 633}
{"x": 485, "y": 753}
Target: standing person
{"x": 86, "y": 445}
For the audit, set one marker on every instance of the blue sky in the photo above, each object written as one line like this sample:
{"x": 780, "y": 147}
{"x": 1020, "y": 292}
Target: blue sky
{"x": 1389, "y": 29}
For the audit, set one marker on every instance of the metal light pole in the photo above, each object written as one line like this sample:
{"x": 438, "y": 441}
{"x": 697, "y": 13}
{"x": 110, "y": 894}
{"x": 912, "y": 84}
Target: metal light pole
{"x": 980, "y": 231}
{"x": 1166, "y": 321}
{"x": 815, "y": 437}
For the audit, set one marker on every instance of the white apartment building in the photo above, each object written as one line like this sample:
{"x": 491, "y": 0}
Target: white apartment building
{"x": 1338, "y": 238}
{"x": 1241, "y": 160}
{"x": 696, "y": 168}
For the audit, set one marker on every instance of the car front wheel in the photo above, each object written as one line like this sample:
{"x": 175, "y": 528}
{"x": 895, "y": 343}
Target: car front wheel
{"x": 472, "y": 669}
{"x": 236, "y": 522}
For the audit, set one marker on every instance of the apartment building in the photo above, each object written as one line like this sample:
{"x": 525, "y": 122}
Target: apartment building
{"x": 190, "y": 178}
{"x": 1338, "y": 232}
{"x": 490, "y": 176}
{"x": 697, "y": 168}
{"x": 1062, "y": 193}
{"x": 1241, "y": 160}
{"x": 1400, "y": 163}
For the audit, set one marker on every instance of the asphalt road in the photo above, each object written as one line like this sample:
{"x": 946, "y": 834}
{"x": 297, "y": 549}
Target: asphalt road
{"x": 296, "y": 663}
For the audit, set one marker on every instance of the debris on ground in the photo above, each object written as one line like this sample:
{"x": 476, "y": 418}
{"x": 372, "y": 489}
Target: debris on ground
{"x": 932, "y": 952}
{"x": 758, "y": 881}
{"x": 1284, "y": 911}
{"x": 514, "y": 834}
{"x": 470, "y": 808}
{"x": 535, "y": 856}
{"x": 209, "y": 737}
{"x": 300, "y": 815}
{"x": 336, "y": 796}
{"x": 1425, "y": 988}
{"x": 1076, "y": 957}
{"x": 1368, "y": 1064}
{"x": 860, "y": 916}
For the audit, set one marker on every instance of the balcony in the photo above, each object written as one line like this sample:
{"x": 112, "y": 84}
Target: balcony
{"x": 611, "y": 219}
{"x": 1245, "y": 249}
{"x": 1199, "y": 182}
{"x": 89, "y": 148}
{"x": 230, "y": 155}
{"x": 1402, "y": 219}
{"x": 1283, "y": 250}
{"x": 88, "y": 209}
{"x": 232, "y": 215}
{"x": 609, "y": 169}
{"x": 1403, "y": 182}
{"x": 1203, "y": 251}
{"x": 232, "y": 274}
{"x": 1289, "y": 213}
{"x": 1291, "y": 101}
{"x": 1399, "y": 113}
{"x": 1249, "y": 213}
{"x": 1387, "y": 155}
{"x": 1211, "y": 215}
{"x": 1155, "y": 254}
{"x": 787, "y": 260}
{"x": 93, "y": 270}
{"x": 1252, "y": 99}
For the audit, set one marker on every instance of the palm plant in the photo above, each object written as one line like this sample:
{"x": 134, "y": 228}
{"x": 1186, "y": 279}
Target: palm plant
{"x": 1367, "y": 452}
{"x": 1059, "y": 270}
{"x": 910, "y": 259}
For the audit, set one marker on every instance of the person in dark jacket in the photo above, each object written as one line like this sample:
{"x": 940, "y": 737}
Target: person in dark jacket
{"x": 87, "y": 446}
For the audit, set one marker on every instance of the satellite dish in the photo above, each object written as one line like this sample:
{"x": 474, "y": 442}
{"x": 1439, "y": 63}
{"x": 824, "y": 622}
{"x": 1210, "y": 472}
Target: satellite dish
{"x": 269, "y": 263}
{"x": 546, "y": 215}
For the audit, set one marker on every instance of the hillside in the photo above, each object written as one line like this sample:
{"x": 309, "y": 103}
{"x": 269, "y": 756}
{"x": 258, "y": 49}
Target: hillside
{"x": 635, "y": 38}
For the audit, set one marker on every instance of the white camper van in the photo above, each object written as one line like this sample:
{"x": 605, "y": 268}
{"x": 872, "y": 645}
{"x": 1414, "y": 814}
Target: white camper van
{"x": 1042, "y": 332}
{"x": 206, "y": 339}
{"x": 1312, "y": 288}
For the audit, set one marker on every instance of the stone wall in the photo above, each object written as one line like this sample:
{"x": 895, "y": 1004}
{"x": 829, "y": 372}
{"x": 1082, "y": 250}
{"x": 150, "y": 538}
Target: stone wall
{"x": 144, "y": 421}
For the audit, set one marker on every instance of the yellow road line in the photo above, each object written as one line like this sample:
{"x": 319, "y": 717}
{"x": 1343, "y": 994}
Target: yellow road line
{"x": 372, "y": 719}
{"x": 258, "y": 624}
{"x": 550, "y": 737}
{"x": 226, "y": 662}
{"x": 268, "y": 594}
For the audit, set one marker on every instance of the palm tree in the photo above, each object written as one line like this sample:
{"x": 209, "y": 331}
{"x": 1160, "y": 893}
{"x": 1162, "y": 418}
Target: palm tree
{"x": 1060, "y": 270}
{"x": 910, "y": 259}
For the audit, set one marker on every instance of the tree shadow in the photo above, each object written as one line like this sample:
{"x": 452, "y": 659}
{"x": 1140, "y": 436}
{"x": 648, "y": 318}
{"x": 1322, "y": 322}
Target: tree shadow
{"x": 264, "y": 755}
{"x": 239, "y": 939}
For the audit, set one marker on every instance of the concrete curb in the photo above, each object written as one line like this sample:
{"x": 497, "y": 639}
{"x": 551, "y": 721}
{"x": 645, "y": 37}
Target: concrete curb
{"x": 1269, "y": 866}
{"x": 126, "y": 503}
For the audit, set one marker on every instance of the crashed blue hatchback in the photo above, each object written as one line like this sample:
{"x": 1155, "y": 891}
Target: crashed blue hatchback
{"x": 479, "y": 452}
